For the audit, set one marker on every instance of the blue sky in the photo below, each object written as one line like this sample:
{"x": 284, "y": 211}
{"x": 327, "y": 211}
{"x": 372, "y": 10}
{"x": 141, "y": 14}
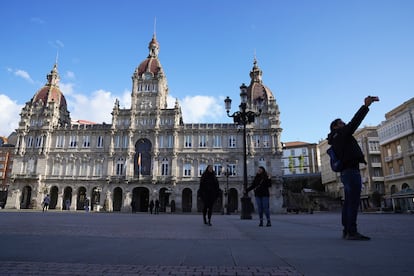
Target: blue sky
{"x": 320, "y": 58}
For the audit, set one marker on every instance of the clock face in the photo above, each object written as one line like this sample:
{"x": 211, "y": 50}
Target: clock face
{"x": 148, "y": 76}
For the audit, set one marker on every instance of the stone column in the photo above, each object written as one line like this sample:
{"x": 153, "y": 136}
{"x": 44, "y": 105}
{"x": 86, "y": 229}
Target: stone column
{"x": 13, "y": 199}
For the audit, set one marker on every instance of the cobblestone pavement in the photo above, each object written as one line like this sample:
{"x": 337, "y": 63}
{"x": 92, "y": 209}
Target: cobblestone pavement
{"x": 31, "y": 268}
{"x": 79, "y": 243}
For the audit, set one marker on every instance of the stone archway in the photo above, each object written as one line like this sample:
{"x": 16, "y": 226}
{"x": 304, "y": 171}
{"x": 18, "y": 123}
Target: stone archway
{"x": 140, "y": 199}
{"x": 164, "y": 198}
{"x": 25, "y": 202}
{"x": 187, "y": 200}
{"x": 81, "y": 199}
{"x": 233, "y": 200}
{"x": 142, "y": 157}
{"x": 53, "y": 197}
{"x": 117, "y": 200}
{"x": 67, "y": 198}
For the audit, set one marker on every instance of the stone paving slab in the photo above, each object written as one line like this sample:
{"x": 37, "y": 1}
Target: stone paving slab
{"x": 37, "y": 268}
{"x": 79, "y": 243}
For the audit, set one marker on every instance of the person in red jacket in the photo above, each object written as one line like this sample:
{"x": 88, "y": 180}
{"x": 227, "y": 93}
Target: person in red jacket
{"x": 348, "y": 151}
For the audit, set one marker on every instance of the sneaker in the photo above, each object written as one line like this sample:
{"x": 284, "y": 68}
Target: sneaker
{"x": 268, "y": 224}
{"x": 357, "y": 237}
{"x": 261, "y": 223}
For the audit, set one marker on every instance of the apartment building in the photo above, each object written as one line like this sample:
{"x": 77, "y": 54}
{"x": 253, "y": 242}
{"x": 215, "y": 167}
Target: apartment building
{"x": 6, "y": 164}
{"x": 396, "y": 138}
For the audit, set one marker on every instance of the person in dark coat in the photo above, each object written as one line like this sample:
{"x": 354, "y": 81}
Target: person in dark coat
{"x": 261, "y": 184}
{"x": 151, "y": 206}
{"x": 348, "y": 151}
{"x": 209, "y": 191}
{"x": 157, "y": 207}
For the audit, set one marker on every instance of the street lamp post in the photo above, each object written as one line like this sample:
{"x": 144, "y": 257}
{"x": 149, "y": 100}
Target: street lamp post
{"x": 226, "y": 191}
{"x": 244, "y": 117}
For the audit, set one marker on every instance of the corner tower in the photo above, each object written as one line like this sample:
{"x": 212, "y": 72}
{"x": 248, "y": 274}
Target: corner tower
{"x": 257, "y": 91}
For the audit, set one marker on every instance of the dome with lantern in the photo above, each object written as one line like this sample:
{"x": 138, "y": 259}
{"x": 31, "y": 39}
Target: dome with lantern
{"x": 51, "y": 91}
{"x": 151, "y": 66}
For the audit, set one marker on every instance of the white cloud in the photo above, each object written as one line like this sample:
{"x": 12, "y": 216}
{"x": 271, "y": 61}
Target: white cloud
{"x": 9, "y": 119}
{"x": 96, "y": 108}
{"x": 70, "y": 75}
{"x": 37, "y": 20}
{"x": 23, "y": 74}
{"x": 59, "y": 43}
{"x": 201, "y": 109}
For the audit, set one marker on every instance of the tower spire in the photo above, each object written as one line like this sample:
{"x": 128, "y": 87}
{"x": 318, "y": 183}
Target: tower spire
{"x": 155, "y": 26}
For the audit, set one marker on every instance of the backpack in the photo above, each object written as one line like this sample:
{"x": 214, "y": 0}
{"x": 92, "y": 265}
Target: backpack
{"x": 336, "y": 164}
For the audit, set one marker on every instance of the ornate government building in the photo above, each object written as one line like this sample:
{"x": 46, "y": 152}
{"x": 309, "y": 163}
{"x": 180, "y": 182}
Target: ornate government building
{"x": 148, "y": 152}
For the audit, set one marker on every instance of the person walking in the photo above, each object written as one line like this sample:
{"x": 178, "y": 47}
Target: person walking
{"x": 86, "y": 204}
{"x": 46, "y": 202}
{"x": 350, "y": 154}
{"x": 67, "y": 204}
{"x": 157, "y": 207}
{"x": 151, "y": 206}
{"x": 261, "y": 184}
{"x": 209, "y": 191}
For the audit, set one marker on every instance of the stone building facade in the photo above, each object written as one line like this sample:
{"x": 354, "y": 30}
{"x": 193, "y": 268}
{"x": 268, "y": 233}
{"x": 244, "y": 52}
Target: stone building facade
{"x": 396, "y": 138}
{"x": 147, "y": 153}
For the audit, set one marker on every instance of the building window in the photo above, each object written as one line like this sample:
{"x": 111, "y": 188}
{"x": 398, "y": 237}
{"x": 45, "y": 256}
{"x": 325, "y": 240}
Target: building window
{"x": 266, "y": 141}
{"x": 202, "y": 141}
{"x": 217, "y": 169}
{"x": 125, "y": 142}
{"x": 187, "y": 141}
{"x": 99, "y": 142}
{"x": 399, "y": 148}
{"x": 389, "y": 153}
{"x": 120, "y": 166}
{"x": 232, "y": 169}
{"x": 170, "y": 141}
{"x": 164, "y": 167}
{"x": 39, "y": 141}
{"x": 86, "y": 142}
{"x": 98, "y": 169}
{"x": 161, "y": 142}
{"x": 232, "y": 141}
{"x": 217, "y": 141}
{"x": 187, "y": 170}
{"x": 117, "y": 141}
{"x": 60, "y": 141}
{"x": 201, "y": 169}
{"x": 29, "y": 143}
{"x": 262, "y": 162}
{"x": 73, "y": 141}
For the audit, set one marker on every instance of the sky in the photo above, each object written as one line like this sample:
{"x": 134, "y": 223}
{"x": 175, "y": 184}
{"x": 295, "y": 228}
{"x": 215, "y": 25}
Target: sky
{"x": 320, "y": 58}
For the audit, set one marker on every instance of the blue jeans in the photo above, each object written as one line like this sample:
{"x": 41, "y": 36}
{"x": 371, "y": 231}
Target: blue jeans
{"x": 351, "y": 178}
{"x": 263, "y": 206}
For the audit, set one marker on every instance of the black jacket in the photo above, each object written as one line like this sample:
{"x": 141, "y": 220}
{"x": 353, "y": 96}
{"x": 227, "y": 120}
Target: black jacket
{"x": 261, "y": 185}
{"x": 209, "y": 187}
{"x": 345, "y": 145}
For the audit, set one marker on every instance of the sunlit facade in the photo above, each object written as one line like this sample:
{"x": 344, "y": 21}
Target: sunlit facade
{"x": 146, "y": 153}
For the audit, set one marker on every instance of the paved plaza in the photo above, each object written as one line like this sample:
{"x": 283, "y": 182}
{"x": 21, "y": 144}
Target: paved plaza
{"x": 79, "y": 243}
